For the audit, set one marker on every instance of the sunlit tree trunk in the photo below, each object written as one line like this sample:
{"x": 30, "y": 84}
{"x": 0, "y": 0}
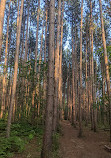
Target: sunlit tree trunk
{"x": 60, "y": 64}
{"x": 106, "y": 62}
{"x": 47, "y": 139}
{"x": 15, "y": 71}
{"x": 2, "y": 10}
{"x": 56, "y": 100}
{"x": 5, "y": 68}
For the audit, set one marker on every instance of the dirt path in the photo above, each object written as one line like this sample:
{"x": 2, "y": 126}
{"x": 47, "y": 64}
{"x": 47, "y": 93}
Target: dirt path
{"x": 90, "y": 146}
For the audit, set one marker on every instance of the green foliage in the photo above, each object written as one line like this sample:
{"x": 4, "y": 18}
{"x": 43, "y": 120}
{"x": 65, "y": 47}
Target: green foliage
{"x": 10, "y": 145}
{"x": 21, "y": 133}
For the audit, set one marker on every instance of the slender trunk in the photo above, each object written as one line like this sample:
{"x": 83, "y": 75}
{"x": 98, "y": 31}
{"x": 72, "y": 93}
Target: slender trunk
{"x": 39, "y": 69}
{"x": 5, "y": 68}
{"x": 73, "y": 83}
{"x": 56, "y": 101}
{"x": 15, "y": 71}
{"x": 86, "y": 90}
{"x": 47, "y": 140}
{"x": 45, "y": 73}
{"x": 106, "y": 62}
{"x": 2, "y": 10}
{"x": 60, "y": 64}
{"x": 103, "y": 117}
{"x": 92, "y": 70}
{"x": 80, "y": 90}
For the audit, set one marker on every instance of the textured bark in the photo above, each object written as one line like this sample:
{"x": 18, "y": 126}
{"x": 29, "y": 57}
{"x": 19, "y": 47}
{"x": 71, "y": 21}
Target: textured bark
{"x": 60, "y": 64}
{"x": 47, "y": 140}
{"x": 80, "y": 90}
{"x": 15, "y": 71}
{"x": 73, "y": 83}
{"x": 106, "y": 62}
{"x": 56, "y": 100}
{"x": 2, "y": 10}
{"x": 5, "y": 68}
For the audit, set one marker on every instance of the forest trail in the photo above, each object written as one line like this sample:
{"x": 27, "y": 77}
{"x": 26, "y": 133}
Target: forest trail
{"x": 91, "y": 145}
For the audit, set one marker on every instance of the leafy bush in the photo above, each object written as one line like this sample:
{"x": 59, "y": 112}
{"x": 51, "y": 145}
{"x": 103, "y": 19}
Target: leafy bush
{"x": 21, "y": 133}
{"x": 10, "y": 145}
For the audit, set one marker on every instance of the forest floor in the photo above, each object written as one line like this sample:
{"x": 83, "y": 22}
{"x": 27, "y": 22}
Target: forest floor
{"x": 91, "y": 145}
{"x": 31, "y": 150}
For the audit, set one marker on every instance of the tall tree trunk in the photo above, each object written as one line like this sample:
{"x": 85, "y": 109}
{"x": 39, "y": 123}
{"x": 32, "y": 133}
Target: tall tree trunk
{"x": 73, "y": 83}
{"x": 35, "y": 67}
{"x": 106, "y": 62}
{"x": 60, "y": 64}
{"x": 92, "y": 70}
{"x": 15, "y": 70}
{"x": 86, "y": 92}
{"x": 56, "y": 101}
{"x": 47, "y": 140}
{"x": 5, "y": 68}
{"x": 103, "y": 117}
{"x": 39, "y": 69}
{"x": 45, "y": 47}
{"x": 2, "y": 10}
{"x": 80, "y": 90}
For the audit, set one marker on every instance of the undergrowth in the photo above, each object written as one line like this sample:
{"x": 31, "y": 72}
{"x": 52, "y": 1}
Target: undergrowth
{"x": 21, "y": 134}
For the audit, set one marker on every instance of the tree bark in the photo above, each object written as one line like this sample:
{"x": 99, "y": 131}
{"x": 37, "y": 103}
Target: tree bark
{"x": 47, "y": 139}
{"x": 73, "y": 83}
{"x": 56, "y": 101}
{"x": 80, "y": 90}
{"x": 60, "y": 64}
{"x": 5, "y": 68}
{"x": 2, "y": 10}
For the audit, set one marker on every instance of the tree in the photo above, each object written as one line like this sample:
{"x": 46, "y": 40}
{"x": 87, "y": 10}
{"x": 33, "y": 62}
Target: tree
{"x": 47, "y": 140}
{"x": 5, "y": 68}
{"x": 56, "y": 97}
{"x": 80, "y": 90}
{"x": 2, "y": 10}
